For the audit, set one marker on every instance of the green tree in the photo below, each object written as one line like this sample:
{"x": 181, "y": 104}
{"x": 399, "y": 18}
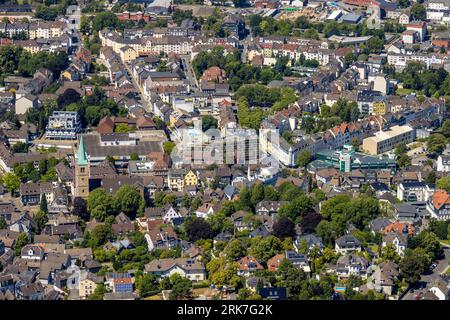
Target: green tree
{"x": 100, "y": 204}
{"x": 100, "y": 235}
{"x": 20, "y": 147}
{"x": 98, "y": 293}
{"x": 208, "y": 122}
{"x": 43, "y": 204}
{"x": 11, "y": 182}
{"x": 328, "y": 231}
{"x": 181, "y": 287}
{"x": 304, "y": 157}
{"x": 41, "y": 219}
{"x": 219, "y": 222}
{"x": 418, "y": 12}
{"x": 412, "y": 266}
{"x": 147, "y": 285}
{"x": 122, "y": 128}
{"x": 235, "y": 250}
{"x": 298, "y": 207}
{"x": 103, "y": 20}
{"x": 265, "y": 248}
{"x": 168, "y": 146}
{"x": 388, "y": 253}
{"x": 436, "y": 143}
{"x": 439, "y": 228}
{"x": 128, "y": 200}
{"x": 443, "y": 183}
{"x": 3, "y": 224}
{"x": 292, "y": 278}
{"x": 134, "y": 156}
{"x": 445, "y": 128}
{"x": 22, "y": 240}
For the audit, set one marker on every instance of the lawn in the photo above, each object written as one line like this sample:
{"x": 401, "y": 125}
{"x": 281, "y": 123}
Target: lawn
{"x": 448, "y": 271}
{"x": 403, "y": 91}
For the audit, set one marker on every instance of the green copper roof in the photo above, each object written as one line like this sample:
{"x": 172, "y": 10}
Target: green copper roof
{"x": 81, "y": 154}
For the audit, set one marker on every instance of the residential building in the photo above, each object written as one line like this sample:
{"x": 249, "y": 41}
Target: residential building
{"x": 191, "y": 269}
{"x": 31, "y": 193}
{"x": 26, "y": 102}
{"x": 248, "y": 265}
{"x": 439, "y": 205}
{"x": 414, "y": 191}
{"x": 63, "y": 125}
{"x": 347, "y": 243}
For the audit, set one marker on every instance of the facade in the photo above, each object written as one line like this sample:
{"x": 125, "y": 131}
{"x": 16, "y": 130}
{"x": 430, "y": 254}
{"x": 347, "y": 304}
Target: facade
{"x": 86, "y": 288}
{"x": 414, "y": 191}
{"x": 384, "y": 141}
{"x": 63, "y": 125}
{"x": 31, "y": 193}
{"x": 443, "y": 163}
{"x": 190, "y": 179}
{"x": 347, "y": 160}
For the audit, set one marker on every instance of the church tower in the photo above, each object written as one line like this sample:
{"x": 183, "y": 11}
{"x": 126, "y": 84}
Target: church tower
{"x": 81, "y": 171}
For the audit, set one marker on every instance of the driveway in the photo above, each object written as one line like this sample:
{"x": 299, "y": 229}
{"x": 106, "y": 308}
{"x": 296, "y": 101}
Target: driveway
{"x": 429, "y": 277}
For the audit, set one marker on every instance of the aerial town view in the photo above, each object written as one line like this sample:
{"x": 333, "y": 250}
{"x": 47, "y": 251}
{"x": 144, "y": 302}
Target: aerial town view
{"x": 224, "y": 150}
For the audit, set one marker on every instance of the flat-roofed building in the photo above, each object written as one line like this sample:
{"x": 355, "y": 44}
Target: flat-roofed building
{"x": 63, "y": 125}
{"x": 384, "y": 141}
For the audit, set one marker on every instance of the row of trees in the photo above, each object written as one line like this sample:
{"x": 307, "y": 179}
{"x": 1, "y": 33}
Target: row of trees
{"x": 302, "y": 26}
{"x": 16, "y": 61}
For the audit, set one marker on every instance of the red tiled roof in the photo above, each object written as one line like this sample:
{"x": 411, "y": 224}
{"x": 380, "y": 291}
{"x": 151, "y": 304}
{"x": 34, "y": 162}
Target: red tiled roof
{"x": 441, "y": 198}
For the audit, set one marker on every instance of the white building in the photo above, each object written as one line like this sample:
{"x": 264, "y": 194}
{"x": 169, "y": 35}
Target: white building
{"x": 191, "y": 269}
{"x": 414, "y": 191}
{"x": 443, "y": 162}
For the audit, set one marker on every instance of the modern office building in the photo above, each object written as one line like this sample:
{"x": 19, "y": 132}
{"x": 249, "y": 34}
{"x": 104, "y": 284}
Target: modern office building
{"x": 347, "y": 160}
{"x": 384, "y": 141}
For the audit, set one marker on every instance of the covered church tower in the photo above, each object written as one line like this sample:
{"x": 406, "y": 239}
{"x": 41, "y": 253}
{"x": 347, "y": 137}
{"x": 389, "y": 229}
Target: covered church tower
{"x": 81, "y": 171}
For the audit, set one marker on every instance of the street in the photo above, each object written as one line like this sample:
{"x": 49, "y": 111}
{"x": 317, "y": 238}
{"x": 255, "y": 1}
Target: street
{"x": 143, "y": 100}
{"x": 190, "y": 75}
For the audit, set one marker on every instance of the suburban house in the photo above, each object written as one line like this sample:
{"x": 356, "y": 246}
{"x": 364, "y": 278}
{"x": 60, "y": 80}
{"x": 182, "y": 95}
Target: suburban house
{"x": 189, "y": 268}
{"x": 297, "y": 260}
{"x": 384, "y": 277}
{"x": 398, "y": 240}
{"x": 160, "y": 236}
{"x": 248, "y": 265}
{"x": 269, "y": 208}
{"x": 347, "y": 243}
{"x": 349, "y": 264}
{"x": 441, "y": 287}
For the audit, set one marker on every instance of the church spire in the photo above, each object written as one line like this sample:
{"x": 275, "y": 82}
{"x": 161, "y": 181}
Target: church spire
{"x": 81, "y": 154}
